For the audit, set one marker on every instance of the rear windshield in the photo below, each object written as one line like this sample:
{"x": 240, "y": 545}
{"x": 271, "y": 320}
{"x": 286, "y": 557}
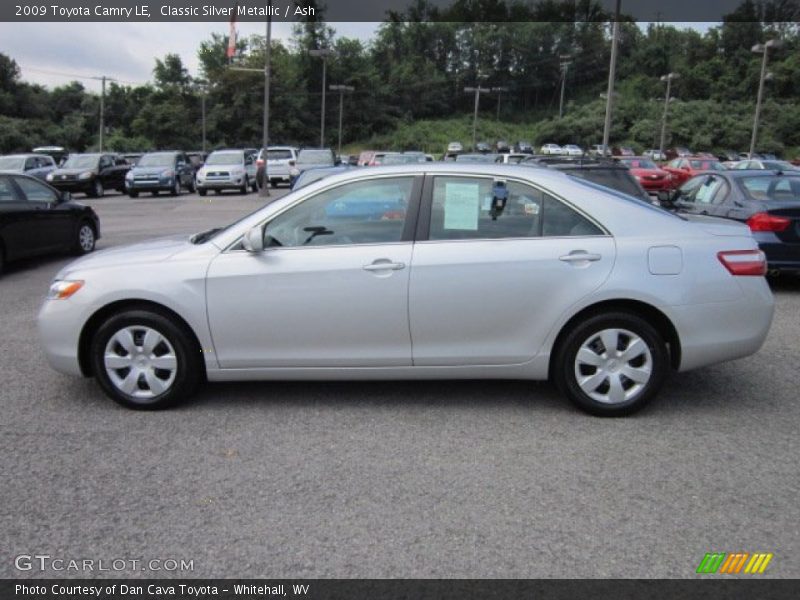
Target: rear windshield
{"x": 616, "y": 179}
{"x": 777, "y": 187}
{"x": 315, "y": 157}
{"x": 279, "y": 154}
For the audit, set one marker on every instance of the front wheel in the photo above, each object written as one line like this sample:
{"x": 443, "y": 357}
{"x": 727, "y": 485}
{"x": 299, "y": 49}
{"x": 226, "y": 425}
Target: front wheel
{"x": 201, "y": 191}
{"x": 97, "y": 189}
{"x": 176, "y": 188}
{"x": 245, "y": 185}
{"x": 85, "y": 239}
{"x": 611, "y": 364}
{"x": 144, "y": 360}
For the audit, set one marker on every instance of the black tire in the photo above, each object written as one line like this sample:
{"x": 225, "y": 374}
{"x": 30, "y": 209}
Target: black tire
{"x": 85, "y": 238}
{"x": 613, "y": 369}
{"x": 192, "y": 186}
{"x": 132, "y": 194}
{"x": 254, "y": 186}
{"x": 176, "y": 188}
{"x": 245, "y": 186}
{"x": 154, "y": 193}
{"x": 2, "y": 259}
{"x": 202, "y": 192}
{"x": 188, "y": 361}
{"x": 217, "y": 192}
{"x": 97, "y": 189}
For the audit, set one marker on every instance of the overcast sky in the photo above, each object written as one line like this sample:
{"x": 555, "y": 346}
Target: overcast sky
{"x": 54, "y": 54}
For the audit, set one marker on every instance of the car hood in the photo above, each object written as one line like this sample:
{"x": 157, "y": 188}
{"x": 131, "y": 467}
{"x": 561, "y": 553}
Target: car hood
{"x": 150, "y": 251}
{"x": 150, "y": 170}
{"x": 72, "y": 171}
{"x": 719, "y": 226}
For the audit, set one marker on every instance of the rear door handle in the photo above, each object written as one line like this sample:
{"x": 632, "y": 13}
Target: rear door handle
{"x": 384, "y": 264}
{"x": 580, "y": 256}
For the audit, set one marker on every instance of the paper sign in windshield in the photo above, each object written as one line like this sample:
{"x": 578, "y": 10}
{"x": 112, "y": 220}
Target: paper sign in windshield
{"x": 461, "y": 206}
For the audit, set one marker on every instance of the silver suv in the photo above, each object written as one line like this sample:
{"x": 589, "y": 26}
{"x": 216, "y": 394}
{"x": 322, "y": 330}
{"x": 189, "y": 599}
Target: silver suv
{"x": 228, "y": 170}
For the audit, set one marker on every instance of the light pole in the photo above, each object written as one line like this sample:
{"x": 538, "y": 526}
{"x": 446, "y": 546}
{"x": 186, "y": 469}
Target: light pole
{"x": 341, "y": 89}
{"x": 763, "y": 49}
{"x": 202, "y": 87}
{"x": 477, "y": 91}
{"x": 611, "y": 74}
{"x": 322, "y": 53}
{"x": 103, "y": 80}
{"x": 499, "y": 91}
{"x": 565, "y": 63}
{"x": 667, "y": 99}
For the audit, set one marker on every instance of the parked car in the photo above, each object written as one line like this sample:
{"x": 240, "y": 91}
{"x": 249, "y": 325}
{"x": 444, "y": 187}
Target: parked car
{"x": 551, "y": 149}
{"x": 767, "y": 202}
{"x": 572, "y": 150}
{"x": 314, "y": 174}
{"x": 36, "y": 218}
{"x": 682, "y": 169}
{"x": 296, "y": 290}
{"x": 91, "y": 174}
{"x": 309, "y": 158}
{"x": 622, "y": 151}
{"x": 476, "y": 158}
{"x": 772, "y": 165}
{"x": 600, "y": 170}
{"x": 648, "y": 174}
{"x": 677, "y": 152}
{"x": 512, "y": 158}
{"x": 197, "y": 158}
{"x": 35, "y": 165}
{"x": 420, "y": 156}
{"x": 502, "y": 146}
{"x": 280, "y": 160}
{"x": 454, "y": 148}
{"x": 524, "y": 147}
{"x": 378, "y": 157}
{"x": 599, "y": 150}
{"x": 654, "y": 154}
{"x": 227, "y": 170}
{"x": 57, "y": 153}
{"x": 401, "y": 158}
{"x": 483, "y": 147}
{"x": 161, "y": 172}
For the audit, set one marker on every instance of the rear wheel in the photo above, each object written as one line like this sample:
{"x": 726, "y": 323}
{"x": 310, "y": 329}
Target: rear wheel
{"x": 176, "y": 188}
{"x": 133, "y": 194}
{"x": 85, "y": 238}
{"x": 144, "y": 360}
{"x": 245, "y": 185}
{"x": 611, "y": 364}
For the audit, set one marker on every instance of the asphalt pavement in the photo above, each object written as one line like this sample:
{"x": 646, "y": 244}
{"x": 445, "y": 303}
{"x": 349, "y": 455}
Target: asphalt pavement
{"x": 499, "y": 479}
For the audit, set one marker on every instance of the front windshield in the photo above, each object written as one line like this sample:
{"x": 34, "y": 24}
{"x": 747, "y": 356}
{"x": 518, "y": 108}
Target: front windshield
{"x": 775, "y": 187}
{"x": 315, "y": 157}
{"x": 224, "y": 158}
{"x": 159, "y": 159}
{"x": 639, "y": 163}
{"x": 11, "y": 163}
{"x": 81, "y": 161}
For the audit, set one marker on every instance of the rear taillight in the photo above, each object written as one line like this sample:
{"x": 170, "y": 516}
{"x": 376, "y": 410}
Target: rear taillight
{"x": 744, "y": 262}
{"x": 766, "y": 222}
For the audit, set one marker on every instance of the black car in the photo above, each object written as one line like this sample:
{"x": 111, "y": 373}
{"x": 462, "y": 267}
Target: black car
{"x": 161, "y": 172}
{"x": 767, "y": 201}
{"x": 91, "y": 174}
{"x": 483, "y": 147}
{"x": 38, "y": 219}
{"x": 602, "y": 171}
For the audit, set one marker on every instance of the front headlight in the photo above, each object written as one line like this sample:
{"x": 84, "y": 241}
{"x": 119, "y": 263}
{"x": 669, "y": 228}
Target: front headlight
{"x": 167, "y": 173}
{"x": 129, "y": 176}
{"x": 49, "y": 177}
{"x": 63, "y": 289}
{"x": 294, "y": 172}
{"x": 85, "y": 175}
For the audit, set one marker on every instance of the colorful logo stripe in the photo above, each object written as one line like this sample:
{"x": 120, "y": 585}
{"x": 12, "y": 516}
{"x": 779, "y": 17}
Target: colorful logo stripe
{"x": 732, "y": 563}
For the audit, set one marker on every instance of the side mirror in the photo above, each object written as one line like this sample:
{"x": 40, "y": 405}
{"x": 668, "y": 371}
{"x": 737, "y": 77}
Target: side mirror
{"x": 253, "y": 240}
{"x": 65, "y": 197}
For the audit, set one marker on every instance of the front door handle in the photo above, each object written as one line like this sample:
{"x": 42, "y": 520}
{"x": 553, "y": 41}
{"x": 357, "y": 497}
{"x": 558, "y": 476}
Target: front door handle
{"x": 384, "y": 264}
{"x": 580, "y": 256}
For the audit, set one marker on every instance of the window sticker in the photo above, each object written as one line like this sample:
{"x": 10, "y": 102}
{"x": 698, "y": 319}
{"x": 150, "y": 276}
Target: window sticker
{"x": 461, "y": 206}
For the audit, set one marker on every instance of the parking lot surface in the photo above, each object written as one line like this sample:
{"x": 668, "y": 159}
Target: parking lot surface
{"x": 498, "y": 479}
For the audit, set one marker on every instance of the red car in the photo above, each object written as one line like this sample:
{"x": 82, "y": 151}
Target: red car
{"x": 683, "y": 169}
{"x": 648, "y": 173}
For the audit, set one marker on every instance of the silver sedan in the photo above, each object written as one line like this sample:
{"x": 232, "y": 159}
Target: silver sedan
{"x": 419, "y": 271}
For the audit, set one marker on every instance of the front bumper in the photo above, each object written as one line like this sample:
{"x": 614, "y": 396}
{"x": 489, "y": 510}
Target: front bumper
{"x": 220, "y": 184}
{"x": 73, "y": 185}
{"x": 149, "y": 185}
{"x": 60, "y": 323}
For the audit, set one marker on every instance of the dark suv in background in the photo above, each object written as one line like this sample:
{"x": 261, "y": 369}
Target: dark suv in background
{"x": 91, "y": 174}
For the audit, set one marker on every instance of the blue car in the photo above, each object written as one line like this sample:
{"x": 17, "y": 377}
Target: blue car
{"x": 161, "y": 172}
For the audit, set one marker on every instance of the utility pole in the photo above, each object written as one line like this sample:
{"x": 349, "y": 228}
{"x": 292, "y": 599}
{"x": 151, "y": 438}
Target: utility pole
{"x": 341, "y": 89}
{"x": 499, "y": 91}
{"x": 611, "y": 74}
{"x": 477, "y": 91}
{"x": 202, "y": 87}
{"x": 667, "y": 99}
{"x": 322, "y": 53}
{"x": 760, "y": 48}
{"x": 102, "y": 79}
{"x": 565, "y": 63}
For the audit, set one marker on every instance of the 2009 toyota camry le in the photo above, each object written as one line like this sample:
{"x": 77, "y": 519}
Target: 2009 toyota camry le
{"x": 419, "y": 272}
